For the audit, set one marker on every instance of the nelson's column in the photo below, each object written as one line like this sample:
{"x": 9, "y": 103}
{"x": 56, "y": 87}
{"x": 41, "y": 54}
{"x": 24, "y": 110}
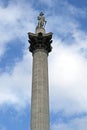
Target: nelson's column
{"x": 40, "y": 46}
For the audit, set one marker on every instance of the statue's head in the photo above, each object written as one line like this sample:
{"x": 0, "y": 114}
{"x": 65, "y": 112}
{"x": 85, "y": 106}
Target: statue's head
{"x": 41, "y": 13}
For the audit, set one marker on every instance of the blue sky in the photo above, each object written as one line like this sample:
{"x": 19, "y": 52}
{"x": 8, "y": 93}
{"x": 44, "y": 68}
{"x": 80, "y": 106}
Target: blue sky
{"x": 67, "y": 19}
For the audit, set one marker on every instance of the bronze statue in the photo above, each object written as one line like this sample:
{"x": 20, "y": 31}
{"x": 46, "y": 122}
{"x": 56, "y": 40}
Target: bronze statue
{"x": 41, "y": 20}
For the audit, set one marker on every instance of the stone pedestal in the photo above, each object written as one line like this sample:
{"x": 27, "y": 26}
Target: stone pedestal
{"x": 40, "y": 30}
{"x": 40, "y": 46}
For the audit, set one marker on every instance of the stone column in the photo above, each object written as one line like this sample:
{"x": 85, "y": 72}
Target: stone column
{"x": 40, "y": 46}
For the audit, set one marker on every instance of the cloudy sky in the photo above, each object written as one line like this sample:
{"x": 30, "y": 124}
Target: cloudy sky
{"x": 67, "y": 19}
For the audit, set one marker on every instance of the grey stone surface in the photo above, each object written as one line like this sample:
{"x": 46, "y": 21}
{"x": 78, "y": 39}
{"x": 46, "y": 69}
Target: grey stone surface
{"x": 38, "y": 30}
{"x": 40, "y": 47}
{"x": 40, "y": 92}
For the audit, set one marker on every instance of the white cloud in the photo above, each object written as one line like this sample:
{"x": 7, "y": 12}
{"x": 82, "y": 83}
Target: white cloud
{"x": 68, "y": 72}
{"x": 75, "y": 124}
{"x": 15, "y": 87}
{"x": 15, "y": 21}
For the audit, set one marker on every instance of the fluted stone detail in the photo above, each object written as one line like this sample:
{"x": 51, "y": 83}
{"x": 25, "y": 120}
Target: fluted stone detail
{"x": 40, "y": 92}
{"x": 40, "y": 46}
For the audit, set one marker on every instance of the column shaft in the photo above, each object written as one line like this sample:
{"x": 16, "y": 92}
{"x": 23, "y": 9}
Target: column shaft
{"x": 40, "y": 91}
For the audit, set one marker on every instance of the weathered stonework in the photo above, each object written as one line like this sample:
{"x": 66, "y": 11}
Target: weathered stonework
{"x": 40, "y": 93}
{"x": 40, "y": 46}
{"x": 40, "y": 41}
